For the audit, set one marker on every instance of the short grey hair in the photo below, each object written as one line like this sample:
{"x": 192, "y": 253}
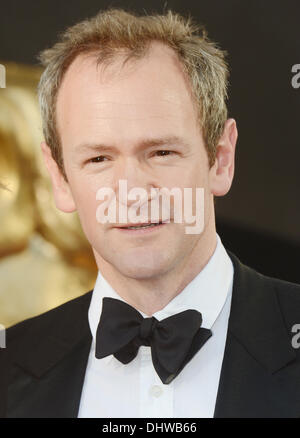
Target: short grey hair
{"x": 115, "y": 29}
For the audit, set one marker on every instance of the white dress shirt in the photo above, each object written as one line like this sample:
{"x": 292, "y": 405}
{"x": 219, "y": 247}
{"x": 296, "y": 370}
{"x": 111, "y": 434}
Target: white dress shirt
{"x": 134, "y": 390}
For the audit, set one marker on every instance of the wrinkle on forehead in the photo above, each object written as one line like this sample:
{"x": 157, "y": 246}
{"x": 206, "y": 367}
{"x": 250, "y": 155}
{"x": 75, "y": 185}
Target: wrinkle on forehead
{"x": 119, "y": 62}
{"x": 116, "y": 70}
{"x": 152, "y": 87}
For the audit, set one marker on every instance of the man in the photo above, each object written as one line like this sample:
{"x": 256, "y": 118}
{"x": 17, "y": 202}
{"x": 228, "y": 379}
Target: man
{"x": 176, "y": 326}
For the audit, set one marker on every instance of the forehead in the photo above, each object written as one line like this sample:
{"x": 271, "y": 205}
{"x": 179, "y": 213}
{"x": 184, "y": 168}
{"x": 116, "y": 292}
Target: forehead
{"x": 116, "y": 99}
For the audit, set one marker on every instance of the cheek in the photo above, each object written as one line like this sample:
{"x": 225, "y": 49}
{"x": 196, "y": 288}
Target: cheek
{"x": 87, "y": 215}
{"x": 176, "y": 177}
{"x": 85, "y": 199}
{"x": 194, "y": 176}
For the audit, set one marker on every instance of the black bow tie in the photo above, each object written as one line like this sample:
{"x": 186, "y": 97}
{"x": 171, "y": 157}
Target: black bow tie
{"x": 173, "y": 341}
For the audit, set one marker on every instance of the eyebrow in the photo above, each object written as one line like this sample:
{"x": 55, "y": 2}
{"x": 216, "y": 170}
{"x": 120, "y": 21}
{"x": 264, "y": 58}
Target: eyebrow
{"x": 141, "y": 145}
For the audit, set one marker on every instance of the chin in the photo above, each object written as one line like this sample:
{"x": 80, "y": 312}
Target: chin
{"x": 142, "y": 264}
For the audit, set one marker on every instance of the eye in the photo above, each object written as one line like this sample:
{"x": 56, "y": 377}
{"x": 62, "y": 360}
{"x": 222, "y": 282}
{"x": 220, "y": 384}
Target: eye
{"x": 163, "y": 153}
{"x": 98, "y": 159}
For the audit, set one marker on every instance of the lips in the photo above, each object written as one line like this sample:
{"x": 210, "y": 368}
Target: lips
{"x": 138, "y": 226}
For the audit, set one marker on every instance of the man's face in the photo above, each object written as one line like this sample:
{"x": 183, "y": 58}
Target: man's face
{"x": 113, "y": 124}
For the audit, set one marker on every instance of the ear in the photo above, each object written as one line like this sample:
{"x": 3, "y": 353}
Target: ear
{"x": 221, "y": 173}
{"x": 61, "y": 190}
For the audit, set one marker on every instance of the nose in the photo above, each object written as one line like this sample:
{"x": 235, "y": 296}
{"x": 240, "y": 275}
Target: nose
{"x": 135, "y": 178}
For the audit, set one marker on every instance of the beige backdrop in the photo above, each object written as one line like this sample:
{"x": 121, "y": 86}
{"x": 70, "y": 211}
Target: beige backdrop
{"x": 45, "y": 259}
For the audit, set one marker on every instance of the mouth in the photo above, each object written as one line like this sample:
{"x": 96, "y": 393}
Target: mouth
{"x": 142, "y": 227}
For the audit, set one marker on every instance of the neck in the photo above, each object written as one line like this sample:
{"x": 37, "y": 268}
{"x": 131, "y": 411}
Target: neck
{"x": 152, "y": 295}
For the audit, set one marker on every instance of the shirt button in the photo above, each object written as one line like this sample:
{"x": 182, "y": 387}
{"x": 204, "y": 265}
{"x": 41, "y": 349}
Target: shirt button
{"x": 156, "y": 391}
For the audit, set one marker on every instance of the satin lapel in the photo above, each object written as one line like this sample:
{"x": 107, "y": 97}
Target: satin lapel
{"x": 255, "y": 380}
{"x": 48, "y": 369}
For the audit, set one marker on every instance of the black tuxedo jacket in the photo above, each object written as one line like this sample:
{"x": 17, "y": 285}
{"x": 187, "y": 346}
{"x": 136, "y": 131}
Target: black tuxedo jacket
{"x": 43, "y": 366}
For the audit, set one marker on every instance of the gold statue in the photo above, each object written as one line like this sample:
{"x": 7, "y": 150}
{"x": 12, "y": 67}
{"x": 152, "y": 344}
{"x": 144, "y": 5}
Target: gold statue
{"x": 45, "y": 258}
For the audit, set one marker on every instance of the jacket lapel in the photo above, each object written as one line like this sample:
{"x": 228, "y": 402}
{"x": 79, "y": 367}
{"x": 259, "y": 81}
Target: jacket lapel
{"x": 48, "y": 368}
{"x": 255, "y": 380}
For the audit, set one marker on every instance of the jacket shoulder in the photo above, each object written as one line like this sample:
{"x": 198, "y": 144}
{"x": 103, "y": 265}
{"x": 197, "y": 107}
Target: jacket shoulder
{"x": 264, "y": 287}
{"x": 285, "y": 289}
{"x": 49, "y": 319}
{"x": 282, "y": 286}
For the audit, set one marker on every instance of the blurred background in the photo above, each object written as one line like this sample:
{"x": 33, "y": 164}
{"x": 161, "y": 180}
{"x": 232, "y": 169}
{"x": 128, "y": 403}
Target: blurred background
{"x": 45, "y": 259}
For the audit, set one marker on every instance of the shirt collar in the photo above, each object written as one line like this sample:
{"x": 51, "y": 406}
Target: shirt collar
{"x": 207, "y": 292}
